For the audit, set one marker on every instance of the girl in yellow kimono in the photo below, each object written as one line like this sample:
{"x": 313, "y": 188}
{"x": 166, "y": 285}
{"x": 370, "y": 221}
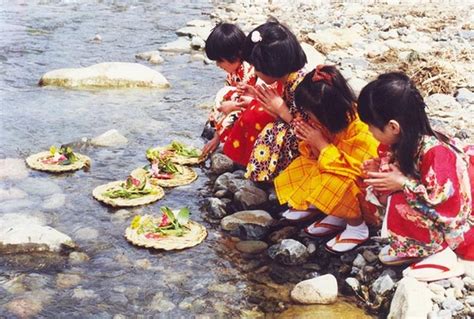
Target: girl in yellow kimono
{"x": 327, "y": 175}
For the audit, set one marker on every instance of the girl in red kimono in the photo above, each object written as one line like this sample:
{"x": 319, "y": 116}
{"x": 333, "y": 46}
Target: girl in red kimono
{"x": 224, "y": 46}
{"x": 429, "y": 204}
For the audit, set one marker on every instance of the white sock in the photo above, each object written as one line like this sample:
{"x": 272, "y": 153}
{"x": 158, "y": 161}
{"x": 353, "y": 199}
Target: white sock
{"x": 315, "y": 229}
{"x": 360, "y": 231}
{"x": 292, "y": 214}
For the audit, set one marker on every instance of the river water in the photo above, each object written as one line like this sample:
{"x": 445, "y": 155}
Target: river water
{"x": 119, "y": 279}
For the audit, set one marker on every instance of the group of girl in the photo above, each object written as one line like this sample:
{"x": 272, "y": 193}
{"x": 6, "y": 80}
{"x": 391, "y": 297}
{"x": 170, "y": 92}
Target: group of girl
{"x": 350, "y": 161}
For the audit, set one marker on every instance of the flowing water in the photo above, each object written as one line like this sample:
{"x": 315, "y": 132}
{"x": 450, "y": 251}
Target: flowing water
{"x": 39, "y": 36}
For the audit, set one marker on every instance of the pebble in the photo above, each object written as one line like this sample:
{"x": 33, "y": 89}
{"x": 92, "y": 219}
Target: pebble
{"x": 452, "y": 304}
{"x": 369, "y": 256}
{"x": 251, "y": 246}
{"x": 64, "y": 281}
{"x": 359, "y": 261}
{"x": 76, "y": 258}
{"x": 437, "y": 289}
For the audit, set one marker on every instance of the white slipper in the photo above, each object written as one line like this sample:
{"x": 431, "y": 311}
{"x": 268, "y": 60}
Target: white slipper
{"x": 442, "y": 265}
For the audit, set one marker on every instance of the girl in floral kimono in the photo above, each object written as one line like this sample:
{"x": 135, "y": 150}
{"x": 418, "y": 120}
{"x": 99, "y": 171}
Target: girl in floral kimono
{"x": 328, "y": 174}
{"x": 278, "y": 58}
{"x": 429, "y": 204}
{"x": 224, "y": 45}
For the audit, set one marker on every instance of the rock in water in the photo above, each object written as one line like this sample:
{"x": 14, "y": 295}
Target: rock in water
{"x": 319, "y": 290}
{"x": 13, "y": 168}
{"x": 221, "y": 163}
{"x": 106, "y": 75}
{"x": 153, "y": 57}
{"x": 110, "y": 138}
{"x": 258, "y": 217}
{"x": 179, "y": 45}
{"x": 289, "y": 252}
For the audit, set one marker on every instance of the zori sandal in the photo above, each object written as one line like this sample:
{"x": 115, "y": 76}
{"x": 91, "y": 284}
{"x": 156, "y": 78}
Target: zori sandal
{"x": 330, "y": 225}
{"x": 296, "y": 216}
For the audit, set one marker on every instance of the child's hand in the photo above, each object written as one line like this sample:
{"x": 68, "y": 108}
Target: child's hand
{"x": 271, "y": 100}
{"x": 387, "y": 181}
{"x": 312, "y": 136}
{"x": 210, "y": 146}
{"x": 245, "y": 89}
{"x": 227, "y": 107}
{"x": 246, "y": 100}
{"x": 371, "y": 165}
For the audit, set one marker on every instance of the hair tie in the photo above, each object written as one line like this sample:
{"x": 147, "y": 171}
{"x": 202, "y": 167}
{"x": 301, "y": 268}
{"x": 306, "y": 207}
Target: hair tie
{"x": 320, "y": 75}
{"x": 255, "y": 36}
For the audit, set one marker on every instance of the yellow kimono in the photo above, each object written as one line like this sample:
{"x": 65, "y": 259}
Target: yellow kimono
{"x": 330, "y": 181}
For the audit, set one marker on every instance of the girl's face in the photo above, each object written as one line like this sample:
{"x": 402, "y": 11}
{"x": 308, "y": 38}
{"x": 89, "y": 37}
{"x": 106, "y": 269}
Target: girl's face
{"x": 229, "y": 67}
{"x": 266, "y": 78}
{"x": 389, "y": 135}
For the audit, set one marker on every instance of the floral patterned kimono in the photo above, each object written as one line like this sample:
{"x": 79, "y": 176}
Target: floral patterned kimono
{"x": 330, "y": 180}
{"x": 434, "y": 210}
{"x": 220, "y": 121}
{"x": 277, "y": 144}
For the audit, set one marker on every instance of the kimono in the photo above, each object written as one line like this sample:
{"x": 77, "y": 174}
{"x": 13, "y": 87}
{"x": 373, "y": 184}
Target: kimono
{"x": 434, "y": 209}
{"x": 330, "y": 180}
{"x": 277, "y": 145}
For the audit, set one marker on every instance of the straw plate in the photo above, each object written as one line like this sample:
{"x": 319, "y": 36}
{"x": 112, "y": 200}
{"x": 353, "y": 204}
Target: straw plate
{"x": 187, "y": 176}
{"x": 124, "y": 202}
{"x": 193, "y": 237}
{"x": 35, "y": 162}
{"x": 180, "y": 159}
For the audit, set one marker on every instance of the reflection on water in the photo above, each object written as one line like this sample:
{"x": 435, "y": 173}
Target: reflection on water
{"x": 118, "y": 279}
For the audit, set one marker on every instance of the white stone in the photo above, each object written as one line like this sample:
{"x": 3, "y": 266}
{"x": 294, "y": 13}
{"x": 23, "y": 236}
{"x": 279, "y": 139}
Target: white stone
{"x": 353, "y": 283}
{"x": 313, "y": 56}
{"x": 54, "y": 201}
{"x": 153, "y": 57}
{"x": 412, "y": 299}
{"x": 106, "y": 75}
{"x": 32, "y": 237}
{"x": 11, "y": 193}
{"x": 375, "y": 49}
{"x": 179, "y": 45}
{"x": 202, "y": 32}
{"x": 86, "y": 233}
{"x": 437, "y": 289}
{"x": 383, "y": 284}
{"x": 110, "y": 138}
{"x": 12, "y": 168}
{"x": 197, "y": 43}
{"x": 80, "y": 293}
{"x": 442, "y": 102}
{"x": 200, "y": 23}
{"x": 319, "y": 290}
{"x": 258, "y": 217}
{"x": 160, "y": 304}
{"x": 335, "y": 38}
{"x": 357, "y": 85}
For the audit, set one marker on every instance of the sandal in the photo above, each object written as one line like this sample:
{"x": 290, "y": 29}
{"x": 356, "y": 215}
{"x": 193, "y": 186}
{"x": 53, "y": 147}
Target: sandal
{"x": 330, "y": 245}
{"x": 296, "y": 216}
{"x": 388, "y": 260}
{"x": 332, "y": 229}
{"x": 442, "y": 265}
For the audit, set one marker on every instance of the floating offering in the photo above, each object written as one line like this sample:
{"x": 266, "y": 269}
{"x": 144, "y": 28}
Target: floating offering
{"x": 136, "y": 190}
{"x": 163, "y": 172}
{"x": 58, "y": 160}
{"x": 178, "y": 152}
{"x": 170, "y": 231}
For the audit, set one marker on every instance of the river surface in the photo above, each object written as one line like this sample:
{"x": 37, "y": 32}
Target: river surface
{"x": 119, "y": 279}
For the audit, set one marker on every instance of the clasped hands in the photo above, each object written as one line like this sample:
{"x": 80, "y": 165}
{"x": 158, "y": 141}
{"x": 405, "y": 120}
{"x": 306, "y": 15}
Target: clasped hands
{"x": 390, "y": 181}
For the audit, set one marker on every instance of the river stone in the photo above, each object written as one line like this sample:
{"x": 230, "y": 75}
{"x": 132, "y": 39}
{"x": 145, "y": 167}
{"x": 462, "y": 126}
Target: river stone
{"x": 333, "y": 38}
{"x": 87, "y": 234}
{"x": 106, "y": 75}
{"x": 313, "y": 56}
{"x": 39, "y": 186}
{"x": 442, "y": 102}
{"x": 64, "y": 281}
{"x": 251, "y": 246}
{"x": 216, "y": 207}
{"x": 469, "y": 283}
{"x": 250, "y": 196}
{"x": 357, "y": 85}
{"x": 375, "y": 49}
{"x": 442, "y": 314}
{"x": 22, "y": 238}
{"x": 452, "y": 305}
{"x": 161, "y": 304}
{"x": 359, "y": 261}
{"x": 80, "y": 293}
{"x": 224, "y": 288}
{"x": 24, "y": 307}
{"x": 319, "y": 290}
{"x": 121, "y": 216}
{"x": 437, "y": 289}
{"x": 257, "y": 217}
{"x": 11, "y": 193}
{"x": 16, "y": 205}
{"x": 250, "y": 232}
{"x": 382, "y": 285}
{"x": 221, "y": 163}
{"x": 193, "y": 31}
{"x": 353, "y": 283}
{"x": 13, "y": 168}
{"x": 284, "y": 233}
{"x": 110, "y": 138}
{"x": 456, "y": 282}
{"x": 465, "y": 97}
{"x": 180, "y": 45}
{"x": 76, "y": 258}
{"x": 197, "y": 43}
{"x": 153, "y": 57}
{"x": 54, "y": 201}
{"x": 412, "y": 299}
{"x": 289, "y": 252}
{"x": 370, "y": 256}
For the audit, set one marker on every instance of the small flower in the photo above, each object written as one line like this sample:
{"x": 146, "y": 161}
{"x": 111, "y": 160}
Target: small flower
{"x": 256, "y": 37}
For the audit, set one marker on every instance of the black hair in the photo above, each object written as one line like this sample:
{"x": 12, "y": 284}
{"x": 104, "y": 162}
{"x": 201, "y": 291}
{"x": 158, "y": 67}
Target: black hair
{"x": 275, "y": 52}
{"x": 225, "y": 42}
{"x": 333, "y": 103}
{"x": 393, "y": 96}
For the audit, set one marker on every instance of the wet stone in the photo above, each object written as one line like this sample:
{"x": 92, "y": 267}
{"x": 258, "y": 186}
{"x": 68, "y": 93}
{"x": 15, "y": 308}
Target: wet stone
{"x": 121, "y": 216}
{"x": 220, "y": 163}
{"x": 382, "y": 285}
{"x": 216, "y": 207}
{"x": 369, "y": 256}
{"x": 288, "y": 252}
{"x": 359, "y": 261}
{"x": 76, "y": 258}
{"x": 284, "y": 233}
{"x": 64, "y": 281}
{"x": 251, "y": 246}
{"x": 452, "y": 305}
{"x": 54, "y": 201}
{"x": 80, "y": 293}
{"x": 87, "y": 234}
{"x": 39, "y": 186}
{"x": 24, "y": 307}
{"x": 250, "y": 232}
{"x": 13, "y": 168}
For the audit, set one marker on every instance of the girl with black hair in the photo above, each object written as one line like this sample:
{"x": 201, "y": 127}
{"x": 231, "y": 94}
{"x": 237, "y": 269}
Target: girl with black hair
{"x": 237, "y": 119}
{"x": 277, "y": 57}
{"x": 429, "y": 208}
{"x": 326, "y": 176}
